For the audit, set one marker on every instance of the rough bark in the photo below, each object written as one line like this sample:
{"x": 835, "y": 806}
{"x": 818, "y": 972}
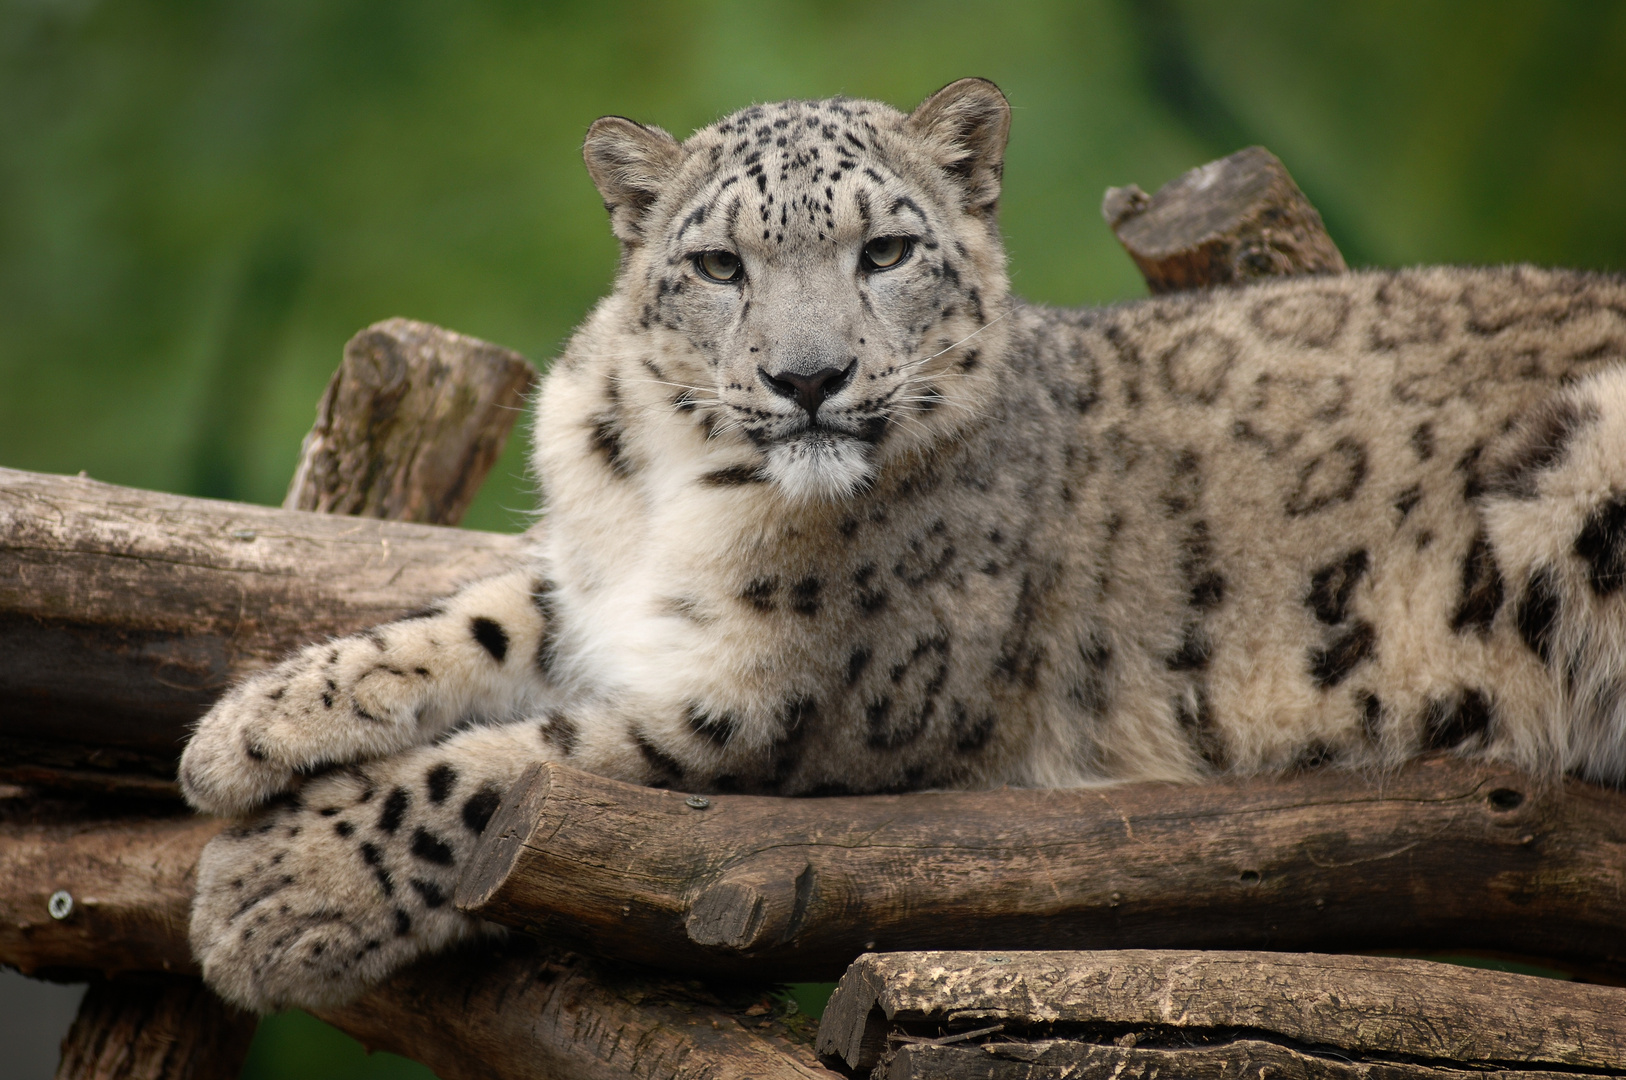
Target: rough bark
{"x": 154, "y": 1027}
{"x": 1225, "y": 1005}
{"x": 124, "y": 613}
{"x": 1223, "y": 223}
{"x": 511, "y": 1010}
{"x": 1445, "y": 854}
{"x": 411, "y": 422}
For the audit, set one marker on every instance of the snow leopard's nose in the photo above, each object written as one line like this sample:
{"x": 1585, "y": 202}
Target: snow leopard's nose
{"x": 808, "y": 391}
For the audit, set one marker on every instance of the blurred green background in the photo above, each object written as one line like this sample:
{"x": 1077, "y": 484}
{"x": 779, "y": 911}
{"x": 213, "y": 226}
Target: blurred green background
{"x": 200, "y": 201}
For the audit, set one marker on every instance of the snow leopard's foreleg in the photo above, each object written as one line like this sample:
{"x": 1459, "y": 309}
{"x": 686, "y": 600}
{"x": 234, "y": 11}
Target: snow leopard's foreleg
{"x": 478, "y": 655}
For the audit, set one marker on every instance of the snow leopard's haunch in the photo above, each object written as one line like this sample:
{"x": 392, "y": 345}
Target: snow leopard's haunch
{"x": 828, "y": 510}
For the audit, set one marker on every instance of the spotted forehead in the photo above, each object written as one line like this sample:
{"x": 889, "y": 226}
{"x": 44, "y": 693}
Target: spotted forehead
{"x": 778, "y": 171}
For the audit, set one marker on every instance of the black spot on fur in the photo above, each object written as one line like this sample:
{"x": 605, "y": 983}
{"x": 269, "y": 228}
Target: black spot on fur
{"x": 733, "y": 476}
{"x": 1332, "y": 586}
{"x": 1331, "y": 477}
{"x": 1450, "y": 722}
{"x": 1407, "y": 500}
{"x": 344, "y": 829}
{"x": 605, "y": 438}
{"x": 559, "y": 731}
{"x": 492, "y": 638}
{"x": 1481, "y": 588}
{"x": 716, "y": 728}
{"x": 1195, "y": 650}
{"x": 394, "y": 809}
{"x": 1537, "y": 613}
{"x": 1197, "y": 721}
{"x": 856, "y": 663}
{"x": 431, "y": 848}
{"x": 869, "y": 599}
{"x": 1317, "y": 755}
{"x": 759, "y": 593}
{"x": 664, "y": 769}
{"x": 1422, "y": 441}
{"x": 1208, "y": 591}
{"x": 428, "y": 891}
{"x": 440, "y": 779}
{"x": 1541, "y": 445}
{"x": 1371, "y": 717}
{"x": 375, "y": 859}
{"x": 972, "y": 732}
{"x": 477, "y": 811}
{"x": 1332, "y": 663}
{"x": 403, "y": 923}
{"x": 548, "y": 643}
{"x": 804, "y": 596}
{"x": 1602, "y": 543}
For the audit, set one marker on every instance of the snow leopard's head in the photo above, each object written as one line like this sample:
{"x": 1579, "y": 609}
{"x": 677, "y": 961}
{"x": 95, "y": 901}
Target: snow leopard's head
{"x": 825, "y": 277}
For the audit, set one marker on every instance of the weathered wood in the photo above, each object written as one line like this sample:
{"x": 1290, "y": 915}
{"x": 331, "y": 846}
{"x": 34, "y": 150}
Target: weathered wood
{"x": 128, "y": 879}
{"x": 124, "y": 613}
{"x": 1388, "y": 1009}
{"x": 154, "y": 1027}
{"x": 411, "y": 422}
{"x": 1066, "y": 1059}
{"x": 1444, "y": 854}
{"x": 511, "y": 1010}
{"x": 521, "y": 1012}
{"x": 1223, "y": 223}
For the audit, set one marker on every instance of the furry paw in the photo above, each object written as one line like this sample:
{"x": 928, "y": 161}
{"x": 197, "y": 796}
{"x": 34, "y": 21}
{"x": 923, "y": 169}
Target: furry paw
{"x": 344, "y": 701}
{"x": 318, "y": 898}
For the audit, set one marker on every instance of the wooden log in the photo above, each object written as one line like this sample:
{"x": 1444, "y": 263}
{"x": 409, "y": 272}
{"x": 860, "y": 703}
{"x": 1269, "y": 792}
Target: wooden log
{"x": 154, "y": 1027}
{"x": 124, "y": 613}
{"x": 1229, "y": 1005}
{"x": 411, "y": 422}
{"x": 1445, "y": 854}
{"x": 521, "y": 1012}
{"x": 1223, "y": 223}
{"x": 508, "y": 1011}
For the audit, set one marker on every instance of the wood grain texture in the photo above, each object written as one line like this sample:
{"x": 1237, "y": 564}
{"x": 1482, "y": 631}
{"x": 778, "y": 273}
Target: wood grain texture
{"x": 124, "y": 613}
{"x": 1224, "y": 223}
{"x": 411, "y": 422}
{"x": 154, "y": 1027}
{"x": 1444, "y": 854}
{"x": 1364, "y": 1007}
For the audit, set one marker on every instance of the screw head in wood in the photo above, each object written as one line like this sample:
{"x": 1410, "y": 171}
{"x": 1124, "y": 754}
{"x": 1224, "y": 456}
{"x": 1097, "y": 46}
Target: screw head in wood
{"x": 697, "y": 802}
{"x": 60, "y": 905}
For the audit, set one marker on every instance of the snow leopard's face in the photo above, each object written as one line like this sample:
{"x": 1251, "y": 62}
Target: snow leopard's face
{"x": 822, "y": 276}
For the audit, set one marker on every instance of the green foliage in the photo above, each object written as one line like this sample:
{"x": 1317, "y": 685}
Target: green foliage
{"x": 200, "y": 201}
{"x": 297, "y": 1046}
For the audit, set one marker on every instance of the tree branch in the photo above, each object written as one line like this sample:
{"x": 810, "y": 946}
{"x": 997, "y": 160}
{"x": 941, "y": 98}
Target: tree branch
{"x": 1444, "y": 854}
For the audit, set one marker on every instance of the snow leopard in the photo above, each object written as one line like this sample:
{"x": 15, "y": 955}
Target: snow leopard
{"x": 828, "y": 510}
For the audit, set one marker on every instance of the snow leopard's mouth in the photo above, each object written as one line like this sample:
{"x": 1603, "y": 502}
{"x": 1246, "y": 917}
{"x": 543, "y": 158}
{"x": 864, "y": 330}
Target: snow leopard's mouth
{"x": 820, "y": 463}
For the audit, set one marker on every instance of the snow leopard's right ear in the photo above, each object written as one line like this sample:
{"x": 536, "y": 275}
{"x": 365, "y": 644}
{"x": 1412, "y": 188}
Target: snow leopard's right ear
{"x": 630, "y": 164}
{"x": 966, "y": 124}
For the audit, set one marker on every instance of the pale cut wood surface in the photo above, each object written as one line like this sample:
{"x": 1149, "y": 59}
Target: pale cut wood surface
{"x": 411, "y": 422}
{"x": 1225, "y": 223}
{"x": 1382, "y": 1007}
{"x": 1443, "y": 854}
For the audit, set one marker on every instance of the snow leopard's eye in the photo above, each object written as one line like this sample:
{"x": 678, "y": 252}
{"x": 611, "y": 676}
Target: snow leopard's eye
{"x": 885, "y": 252}
{"x": 721, "y": 266}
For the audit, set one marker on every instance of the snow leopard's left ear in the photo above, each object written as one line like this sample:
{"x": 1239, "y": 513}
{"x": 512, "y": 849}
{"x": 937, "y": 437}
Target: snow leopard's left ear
{"x": 630, "y": 164}
{"x": 966, "y": 124}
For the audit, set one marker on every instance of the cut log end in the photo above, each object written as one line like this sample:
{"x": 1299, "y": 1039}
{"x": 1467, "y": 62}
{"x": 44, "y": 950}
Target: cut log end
{"x": 1224, "y": 223}
{"x": 412, "y": 420}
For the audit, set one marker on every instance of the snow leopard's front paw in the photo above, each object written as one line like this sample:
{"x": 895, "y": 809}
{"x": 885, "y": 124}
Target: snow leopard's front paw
{"x": 327, "y": 893}
{"x": 343, "y": 701}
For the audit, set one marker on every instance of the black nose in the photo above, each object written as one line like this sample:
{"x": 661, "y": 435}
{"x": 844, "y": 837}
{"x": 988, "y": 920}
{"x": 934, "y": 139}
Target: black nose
{"x": 808, "y": 391}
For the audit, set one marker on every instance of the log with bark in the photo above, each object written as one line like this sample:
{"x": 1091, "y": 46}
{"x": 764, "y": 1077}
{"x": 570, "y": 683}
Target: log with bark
{"x": 1442, "y": 855}
{"x": 1149, "y": 1013}
{"x": 1225, "y": 223}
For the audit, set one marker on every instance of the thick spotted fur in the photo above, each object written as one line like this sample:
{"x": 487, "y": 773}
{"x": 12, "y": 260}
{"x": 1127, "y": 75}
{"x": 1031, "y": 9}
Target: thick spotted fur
{"x": 816, "y": 524}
